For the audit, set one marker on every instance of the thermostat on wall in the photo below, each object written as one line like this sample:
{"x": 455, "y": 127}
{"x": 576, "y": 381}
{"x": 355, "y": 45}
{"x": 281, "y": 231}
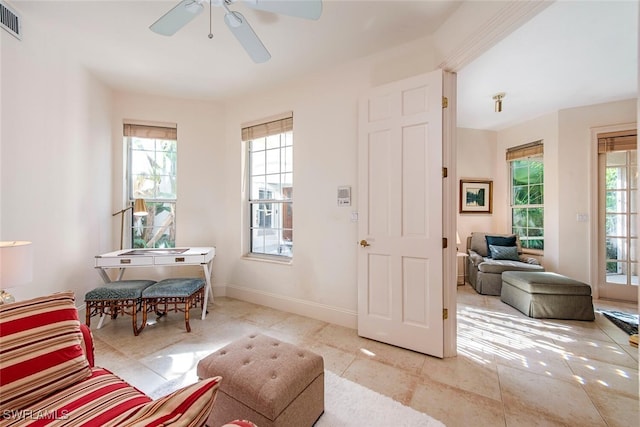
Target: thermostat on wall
{"x": 344, "y": 196}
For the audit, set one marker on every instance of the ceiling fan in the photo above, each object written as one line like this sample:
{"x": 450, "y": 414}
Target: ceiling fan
{"x": 186, "y": 10}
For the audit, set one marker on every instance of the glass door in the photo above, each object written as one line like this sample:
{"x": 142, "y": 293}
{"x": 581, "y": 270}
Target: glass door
{"x": 619, "y": 215}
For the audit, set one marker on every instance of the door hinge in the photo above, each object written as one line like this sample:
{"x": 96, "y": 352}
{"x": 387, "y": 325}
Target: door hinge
{"x": 445, "y": 172}
{"x": 445, "y": 313}
{"x": 445, "y": 102}
{"x": 445, "y": 242}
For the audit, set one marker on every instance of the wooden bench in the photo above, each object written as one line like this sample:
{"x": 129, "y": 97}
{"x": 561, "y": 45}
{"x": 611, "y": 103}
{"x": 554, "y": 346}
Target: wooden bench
{"x": 178, "y": 295}
{"x": 119, "y": 297}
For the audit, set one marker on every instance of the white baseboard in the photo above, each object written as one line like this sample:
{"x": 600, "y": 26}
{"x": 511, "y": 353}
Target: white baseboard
{"x": 325, "y": 313}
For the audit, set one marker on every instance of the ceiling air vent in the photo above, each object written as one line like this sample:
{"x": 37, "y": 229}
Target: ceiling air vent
{"x": 10, "y": 20}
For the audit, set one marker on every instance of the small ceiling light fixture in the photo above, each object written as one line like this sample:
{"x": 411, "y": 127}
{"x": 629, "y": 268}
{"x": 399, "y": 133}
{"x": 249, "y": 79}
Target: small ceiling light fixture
{"x": 498, "y": 98}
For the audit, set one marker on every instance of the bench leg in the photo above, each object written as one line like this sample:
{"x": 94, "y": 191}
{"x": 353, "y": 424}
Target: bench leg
{"x": 187, "y": 305}
{"x": 87, "y": 320}
{"x": 134, "y": 320}
{"x": 144, "y": 316}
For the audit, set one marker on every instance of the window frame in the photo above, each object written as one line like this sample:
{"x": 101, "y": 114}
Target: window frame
{"x": 532, "y": 152}
{"x": 158, "y": 207}
{"x": 278, "y": 202}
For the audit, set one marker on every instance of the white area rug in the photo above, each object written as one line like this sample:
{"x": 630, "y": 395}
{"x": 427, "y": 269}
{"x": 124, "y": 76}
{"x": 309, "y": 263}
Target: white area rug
{"x": 349, "y": 404}
{"x": 346, "y": 404}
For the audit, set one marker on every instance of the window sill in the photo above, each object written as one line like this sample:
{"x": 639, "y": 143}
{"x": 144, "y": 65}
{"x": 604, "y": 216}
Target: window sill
{"x": 268, "y": 259}
{"x": 533, "y": 252}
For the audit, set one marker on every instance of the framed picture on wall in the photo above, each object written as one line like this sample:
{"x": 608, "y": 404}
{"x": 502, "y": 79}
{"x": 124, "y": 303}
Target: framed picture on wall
{"x": 476, "y": 196}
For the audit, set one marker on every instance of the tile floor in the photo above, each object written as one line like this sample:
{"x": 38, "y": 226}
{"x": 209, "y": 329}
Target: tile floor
{"x": 510, "y": 371}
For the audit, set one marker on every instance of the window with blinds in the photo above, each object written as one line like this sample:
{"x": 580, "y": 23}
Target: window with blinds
{"x": 151, "y": 175}
{"x": 526, "y": 167}
{"x": 270, "y": 177}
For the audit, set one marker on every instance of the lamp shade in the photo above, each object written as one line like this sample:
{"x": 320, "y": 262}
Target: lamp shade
{"x": 140, "y": 208}
{"x": 16, "y": 264}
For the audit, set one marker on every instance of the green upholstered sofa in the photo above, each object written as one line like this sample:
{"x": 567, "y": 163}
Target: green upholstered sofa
{"x": 484, "y": 272}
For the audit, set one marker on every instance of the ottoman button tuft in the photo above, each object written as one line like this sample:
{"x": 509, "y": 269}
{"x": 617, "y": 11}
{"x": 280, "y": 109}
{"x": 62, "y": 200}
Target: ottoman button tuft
{"x": 273, "y": 377}
{"x": 274, "y": 357}
{"x": 249, "y": 347}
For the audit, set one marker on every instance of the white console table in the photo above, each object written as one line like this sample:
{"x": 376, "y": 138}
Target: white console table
{"x": 169, "y": 257}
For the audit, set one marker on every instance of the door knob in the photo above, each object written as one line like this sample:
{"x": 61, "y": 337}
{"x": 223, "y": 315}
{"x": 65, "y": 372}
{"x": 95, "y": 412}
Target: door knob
{"x": 364, "y": 243}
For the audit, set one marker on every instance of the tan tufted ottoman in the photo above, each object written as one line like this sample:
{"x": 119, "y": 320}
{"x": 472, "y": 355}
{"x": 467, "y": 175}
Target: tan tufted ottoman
{"x": 266, "y": 381}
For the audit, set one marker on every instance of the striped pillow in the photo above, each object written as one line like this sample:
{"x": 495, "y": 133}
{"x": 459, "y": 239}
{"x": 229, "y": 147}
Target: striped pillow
{"x": 189, "y": 407}
{"x": 41, "y": 349}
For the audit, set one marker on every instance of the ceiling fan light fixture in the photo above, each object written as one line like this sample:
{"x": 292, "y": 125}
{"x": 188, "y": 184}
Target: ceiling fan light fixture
{"x": 498, "y": 101}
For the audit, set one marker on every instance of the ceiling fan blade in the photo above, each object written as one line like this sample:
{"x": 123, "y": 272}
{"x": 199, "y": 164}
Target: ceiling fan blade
{"x": 176, "y": 18}
{"x": 309, "y": 9}
{"x": 247, "y": 37}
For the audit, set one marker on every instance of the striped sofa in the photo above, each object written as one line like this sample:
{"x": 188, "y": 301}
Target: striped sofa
{"x": 48, "y": 377}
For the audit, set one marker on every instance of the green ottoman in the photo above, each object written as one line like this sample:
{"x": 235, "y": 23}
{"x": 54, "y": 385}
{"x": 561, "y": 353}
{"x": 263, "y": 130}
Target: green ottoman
{"x": 173, "y": 295}
{"x": 545, "y": 295}
{"x": 119, "y": 297}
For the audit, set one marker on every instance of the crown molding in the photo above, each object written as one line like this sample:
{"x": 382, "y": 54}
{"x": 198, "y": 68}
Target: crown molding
{"x": 507, "y": 19}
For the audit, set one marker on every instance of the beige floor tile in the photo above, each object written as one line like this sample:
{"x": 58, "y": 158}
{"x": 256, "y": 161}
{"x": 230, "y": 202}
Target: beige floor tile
{"x": 550, "y": 364}
{"x": 558, "y": 401}
{"x": 606, "y": 377}
{"x": 264, "y": 316}
{"x": 335, "y": 359}
{"x": 464, "y": 373}
{"x": 384, "y": 379}
{"x": 340, "y": 337}
{"x": 604, "y": 351}
{"x": 406, "y": 360}
{"x": 295, "y": 329}
{"x": 618, "y": 410}
{"x": 510, "y": 370}
{"x": 577, "y": 328}
{"x": 232, "y": 307}
{"x": 456, "y": 407}
{"x": 180, "y": 358}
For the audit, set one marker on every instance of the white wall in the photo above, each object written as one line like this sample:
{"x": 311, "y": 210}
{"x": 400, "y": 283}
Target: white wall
{"x": 201, "y": 219}
{"x": 567, "y": 137}
{"x": 543, "y": 128}
{"x": 574, "y": 159}
{"x": 322, "y": 277}
{"x": 55, "y": 153}
{"x": 476, "y": 159}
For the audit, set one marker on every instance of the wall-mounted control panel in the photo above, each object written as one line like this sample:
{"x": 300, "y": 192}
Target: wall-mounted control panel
{"x": 344, "y": 195}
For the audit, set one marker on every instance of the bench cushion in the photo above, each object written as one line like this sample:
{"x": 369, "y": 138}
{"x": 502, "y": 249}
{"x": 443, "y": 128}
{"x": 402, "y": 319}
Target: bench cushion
{"x": 545, "y": 283}
{"x": 179, "y": 287}
{"x": 545, "y": 295}
{"x": 498, "y": 266}
{"x": 119, "y": 290}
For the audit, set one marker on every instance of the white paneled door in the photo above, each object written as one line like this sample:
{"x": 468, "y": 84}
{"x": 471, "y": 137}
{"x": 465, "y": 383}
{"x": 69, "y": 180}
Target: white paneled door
{"x": 400, "y": 270}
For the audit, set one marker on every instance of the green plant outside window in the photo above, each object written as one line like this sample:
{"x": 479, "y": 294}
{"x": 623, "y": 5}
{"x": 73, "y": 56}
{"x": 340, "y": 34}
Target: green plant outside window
{"x": 152, "y": 177}
{"x": 527, "y": 201}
